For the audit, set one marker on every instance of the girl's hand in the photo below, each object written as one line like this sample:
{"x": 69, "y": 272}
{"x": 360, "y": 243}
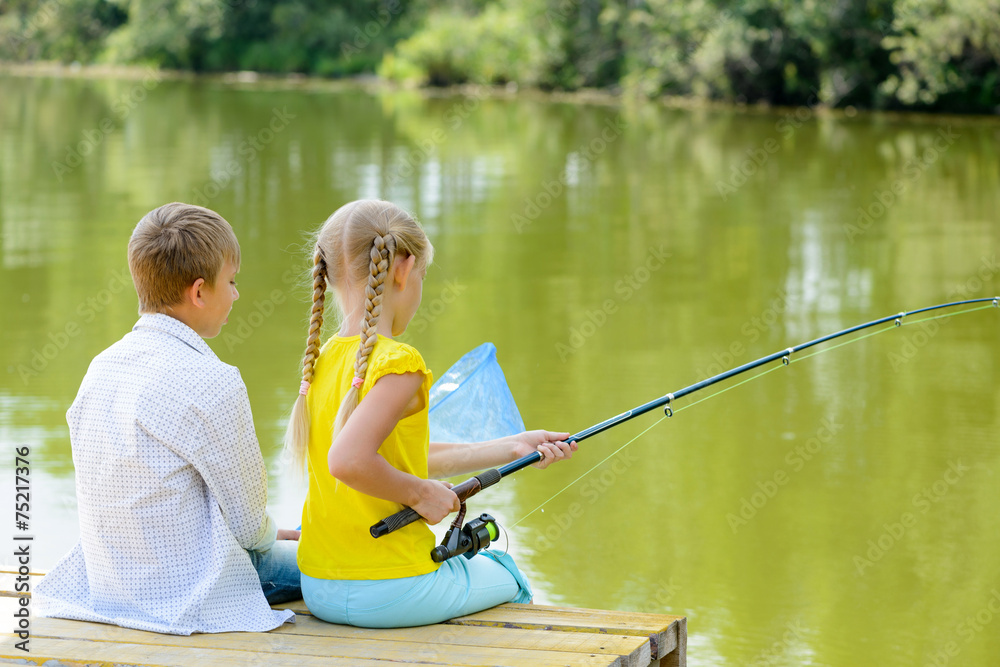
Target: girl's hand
{"x": 288, "y": 534}
{"x": 436, "y": 501}
{"x": 550, "y": 444}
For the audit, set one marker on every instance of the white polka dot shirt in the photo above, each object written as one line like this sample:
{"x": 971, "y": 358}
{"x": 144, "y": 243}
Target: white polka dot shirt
{"x": 171, "y": 488}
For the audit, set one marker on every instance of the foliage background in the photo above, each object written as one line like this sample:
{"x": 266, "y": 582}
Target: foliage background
{"x": 934, "y": 55}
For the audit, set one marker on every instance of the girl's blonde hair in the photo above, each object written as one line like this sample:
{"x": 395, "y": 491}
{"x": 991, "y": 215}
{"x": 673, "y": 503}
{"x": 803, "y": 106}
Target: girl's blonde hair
{"x": 355, "y": 249}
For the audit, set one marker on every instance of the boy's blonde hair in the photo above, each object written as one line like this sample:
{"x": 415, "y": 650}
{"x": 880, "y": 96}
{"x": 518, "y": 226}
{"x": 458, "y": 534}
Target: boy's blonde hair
{"x": 173, "y": 246}
{"x": 355, "y": 249}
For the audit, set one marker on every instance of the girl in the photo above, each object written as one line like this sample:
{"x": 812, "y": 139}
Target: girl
{"x": 360, "y": 424}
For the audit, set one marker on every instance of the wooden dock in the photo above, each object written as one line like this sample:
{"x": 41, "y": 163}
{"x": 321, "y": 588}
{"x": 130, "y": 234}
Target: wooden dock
{"x": 511, "y": 634}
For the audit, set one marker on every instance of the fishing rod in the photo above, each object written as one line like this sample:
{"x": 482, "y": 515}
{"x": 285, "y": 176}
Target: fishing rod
{"x": 467, "y": 542}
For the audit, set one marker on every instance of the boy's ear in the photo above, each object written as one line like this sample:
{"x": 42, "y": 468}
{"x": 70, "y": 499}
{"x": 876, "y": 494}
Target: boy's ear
{"x": 403, "y": 269}
{"x": 193, "y": 294}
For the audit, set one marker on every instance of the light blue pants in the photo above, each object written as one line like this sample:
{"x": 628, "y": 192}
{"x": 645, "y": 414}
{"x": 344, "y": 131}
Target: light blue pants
{"x": 460, "y": 586}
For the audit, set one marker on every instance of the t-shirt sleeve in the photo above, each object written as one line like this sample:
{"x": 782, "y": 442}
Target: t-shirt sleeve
{"x": 398, "y": 360}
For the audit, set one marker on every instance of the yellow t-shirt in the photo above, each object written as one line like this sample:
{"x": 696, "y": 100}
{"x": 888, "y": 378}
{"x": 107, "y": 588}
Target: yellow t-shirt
{"x": 335, "y": 542}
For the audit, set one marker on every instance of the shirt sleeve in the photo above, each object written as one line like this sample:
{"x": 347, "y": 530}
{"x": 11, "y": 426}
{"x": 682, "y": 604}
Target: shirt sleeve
{"x": 230, "y": 462}
{"x": 402, "y": 359}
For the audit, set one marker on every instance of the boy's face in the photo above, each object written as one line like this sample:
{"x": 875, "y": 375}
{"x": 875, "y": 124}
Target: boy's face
{"x": 218, "y": 300}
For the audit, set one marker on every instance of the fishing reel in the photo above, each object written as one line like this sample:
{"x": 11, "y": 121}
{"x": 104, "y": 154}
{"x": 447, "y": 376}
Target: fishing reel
{"x": 467, "y": 540}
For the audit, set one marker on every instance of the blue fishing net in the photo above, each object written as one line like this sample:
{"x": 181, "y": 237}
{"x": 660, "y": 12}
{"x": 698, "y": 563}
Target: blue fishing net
{"x": 471, "y": 401}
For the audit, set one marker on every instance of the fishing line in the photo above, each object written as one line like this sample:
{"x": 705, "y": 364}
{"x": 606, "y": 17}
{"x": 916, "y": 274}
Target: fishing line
{"x": 589, "y": 471}
{"x": 506, "y": 539}
{"x": 944, "y": 315}
{"x": 487, "y": 478}
{"x": 742, "y": 382}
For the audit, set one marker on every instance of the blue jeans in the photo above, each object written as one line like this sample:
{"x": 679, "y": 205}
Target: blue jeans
{"x": 278, "y": 571}
{"x": 460, "y": 586}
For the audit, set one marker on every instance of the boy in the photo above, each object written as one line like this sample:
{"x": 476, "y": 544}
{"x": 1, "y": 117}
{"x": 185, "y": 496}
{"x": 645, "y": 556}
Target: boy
{"x": 170, "y": 482}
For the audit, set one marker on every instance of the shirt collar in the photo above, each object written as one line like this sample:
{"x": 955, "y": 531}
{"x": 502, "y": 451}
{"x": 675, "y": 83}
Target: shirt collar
{"x": 174, "y": 327}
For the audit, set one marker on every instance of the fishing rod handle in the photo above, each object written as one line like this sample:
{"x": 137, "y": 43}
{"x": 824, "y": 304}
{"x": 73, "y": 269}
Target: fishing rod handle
{"x": 536, "y": 456}
{"x": 403, "y": 517}
{"x": 407, "y": 515}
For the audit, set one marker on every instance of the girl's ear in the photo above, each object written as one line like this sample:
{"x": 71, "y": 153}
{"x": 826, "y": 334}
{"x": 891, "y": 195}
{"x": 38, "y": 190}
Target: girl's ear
{"x": 402, "y": 271}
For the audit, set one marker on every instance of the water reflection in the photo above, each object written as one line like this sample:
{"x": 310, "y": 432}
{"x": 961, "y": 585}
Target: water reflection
{"x": 545, "y": 245}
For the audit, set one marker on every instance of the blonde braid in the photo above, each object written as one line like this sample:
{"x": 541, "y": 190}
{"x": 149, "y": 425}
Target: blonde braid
{"x": 355, "y": 247}
{"x": 316, "y": 315}
{"x": 297, "y": 434}
{"x": 382, "y": 252}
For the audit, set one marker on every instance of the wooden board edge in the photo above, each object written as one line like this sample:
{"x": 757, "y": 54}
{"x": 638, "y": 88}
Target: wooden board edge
{"x": 677, "y": 657}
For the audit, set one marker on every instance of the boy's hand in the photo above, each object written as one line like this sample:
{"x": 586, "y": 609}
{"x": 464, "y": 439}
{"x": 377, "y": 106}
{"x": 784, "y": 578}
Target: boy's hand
{"x": 436, "y": 501}
{"x": 550, "y": 444}
{"x": 288, "y": 534}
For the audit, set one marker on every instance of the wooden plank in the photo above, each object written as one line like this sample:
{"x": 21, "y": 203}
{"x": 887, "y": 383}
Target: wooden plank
{"x": 634, "y": 651}
{"x": 82, "y": 653}
{"x": 639, "y": 621}
{"x": 636, "y": 622}
{"x": 633, "y": 638}
{"x": 568, "y": 618}
{"x": 9, "y": 578}
{"x": 661, "y": 629}
{"x": 308, "y": 645}
{"x": 677, "y": 657}
{"x": 631, "y": 651}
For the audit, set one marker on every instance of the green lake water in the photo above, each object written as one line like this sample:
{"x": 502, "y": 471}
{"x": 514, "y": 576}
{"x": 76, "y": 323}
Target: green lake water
{"x": 843, "y": 510}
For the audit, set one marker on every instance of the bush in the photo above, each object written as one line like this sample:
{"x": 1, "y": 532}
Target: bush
{"x": 494, "y": 47}
{"x": 909, "y": 54}
{"x": 68, "y": 30}
{"x": 947, "y": 55}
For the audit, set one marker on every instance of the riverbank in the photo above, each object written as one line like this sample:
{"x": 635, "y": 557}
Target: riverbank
{"x": 590, "y": 97}
{"x": 374, "y": 84}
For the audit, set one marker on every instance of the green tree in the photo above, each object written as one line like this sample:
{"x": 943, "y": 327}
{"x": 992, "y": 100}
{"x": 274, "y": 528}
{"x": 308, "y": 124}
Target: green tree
{"x": 946, "y": 53}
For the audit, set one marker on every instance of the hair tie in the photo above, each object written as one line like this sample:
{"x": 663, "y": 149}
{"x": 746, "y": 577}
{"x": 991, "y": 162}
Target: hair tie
{"x": 304, "y": 387}
{"x": 357, "y": 382}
